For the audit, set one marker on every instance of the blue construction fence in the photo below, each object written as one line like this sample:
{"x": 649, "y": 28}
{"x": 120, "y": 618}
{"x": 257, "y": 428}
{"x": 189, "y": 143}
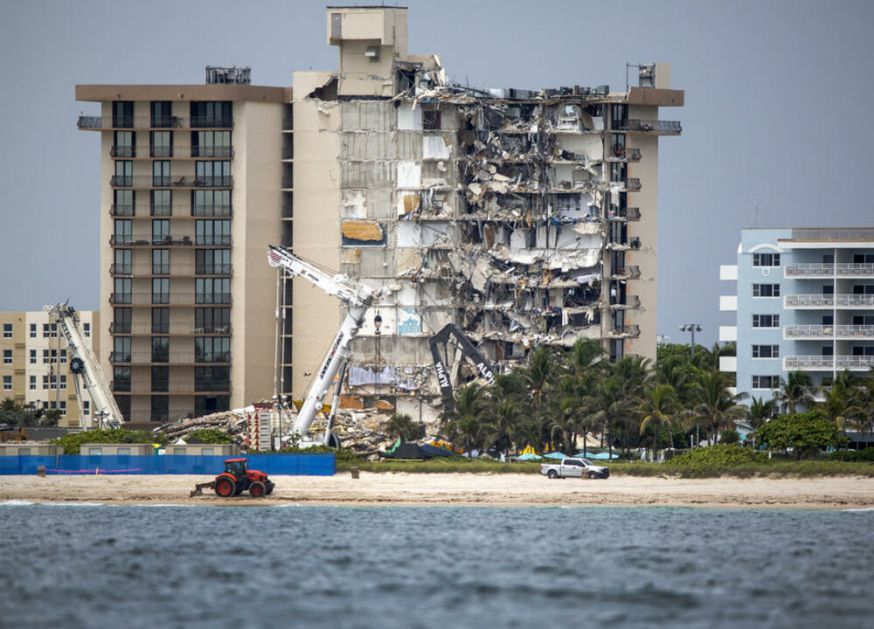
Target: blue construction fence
{"x": 323, "y": 464}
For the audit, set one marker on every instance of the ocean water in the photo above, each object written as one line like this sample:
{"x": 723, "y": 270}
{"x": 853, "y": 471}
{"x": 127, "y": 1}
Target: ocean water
{"x": 174, "y": 566}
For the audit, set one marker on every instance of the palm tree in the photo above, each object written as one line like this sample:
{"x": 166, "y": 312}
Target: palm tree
{"x": 402, "y": 427}
{"x": 717, "y": 406}
{"x": 465, "y": 421}
{"x": 657, "y": 410}
{"x": 760, "y": 411}
{"x": 539, "y": 377}
{"x": 795, "y": 391}
{"x": 861, "y": 410}
{"x": 504, "y": 412}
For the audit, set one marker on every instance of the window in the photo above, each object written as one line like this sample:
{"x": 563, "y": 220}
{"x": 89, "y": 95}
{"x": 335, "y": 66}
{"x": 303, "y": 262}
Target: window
{"x": 121, "y": 378}
{"x": 161, "y": 379}
{"x": 766, "y": 321}
{"x": 33, "y": 357}
{"x": 862, "y": 289}
{"x": 160, "y": 262}
{"x": 766, "y": 382}
{"x": 766, "y": 290}
{"x": 212, "y": 261}
{"x": 33, "y": 330}
{"x": 86, "y": 329}
{"x": 63, "y": 357}
{"x": 160, "y": 408}
{"x": 121, "y": 290}
{"x": 161, "y": 144}
{"x": 212, "y": 232}
{"x": 49, "y": 330}
{"x": 161, "y": 173}
{"x": 7, "y": 383}
{"x": 766, "y": 351}
{"x": 123, "y": 113}
{"x": 161, "y": 203}
{"x": 160, "y": 349}
{"x": 160, "y": 290}
{"x": 205, "y": 404}
{"x": 86, "y": 407}
{"x": 212, "y": 379}
{"x": 212, "y": 291}
{"x": 212, "y": 349}
{"x": 160, "y": 231}
{"x": 618, "y": 116}
{"x": 7, "y": 356}
{"x": 211, "y": 114}
{"x": 123, "y": 232}
{"x": 618, "y": 171}
{"x": 212, "y": 320}
{"x": 121, "y": 350}
{"x": 48, "y": 356}
{"x": 212, "y": 174}
{"x": 123, "y": 402}
{"x": 123, "y": 203}
{"x": 766, "y": 259}
{"x": 124, "y": 144}
{"x": 828, "y": 289}
{"x": 161, "y": 113}
{"x": 122, "y": 264}
{"x": 431, "y": 120}
{"x": 54, "y": 382}
{"x": 160, "y": 321}
{"x": 32, "y": 384}
{"x": 121, "y": 318}
{"x": 211, "y": 203}
{"x": 863, "y": 258}
{"x": 7, "y": 330}
{"x": 211, "y": 144}
{"x": 124, "y": 173}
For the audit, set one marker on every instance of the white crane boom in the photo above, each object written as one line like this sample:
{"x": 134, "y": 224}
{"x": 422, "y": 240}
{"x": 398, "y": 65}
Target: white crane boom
{"x": 357, "y": 297}
{"x": 84, "y": 366}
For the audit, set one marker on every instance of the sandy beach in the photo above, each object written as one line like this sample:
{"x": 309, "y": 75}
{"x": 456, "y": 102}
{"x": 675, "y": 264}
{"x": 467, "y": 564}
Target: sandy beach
{"x": 458, "y": 489}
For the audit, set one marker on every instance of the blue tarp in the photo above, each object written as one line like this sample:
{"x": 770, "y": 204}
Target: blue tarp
{"x": 555, "y": 455}
{"x": 435, "y": 451}
{"x": 529, "y": 457}
{"x": 323, "y": 464}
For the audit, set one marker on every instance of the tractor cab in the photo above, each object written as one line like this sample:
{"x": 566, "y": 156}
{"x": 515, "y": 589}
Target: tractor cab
{"x": 236, "y": 468}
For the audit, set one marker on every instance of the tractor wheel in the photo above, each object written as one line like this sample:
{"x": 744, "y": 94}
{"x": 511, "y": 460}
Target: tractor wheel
{"x": 257, "y": 489}
{"x": 552, "y": 474}
{"x": 225, "y": 488}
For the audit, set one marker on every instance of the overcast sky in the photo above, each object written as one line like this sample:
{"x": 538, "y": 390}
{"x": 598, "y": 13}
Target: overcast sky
{"x": 776, "y": 100}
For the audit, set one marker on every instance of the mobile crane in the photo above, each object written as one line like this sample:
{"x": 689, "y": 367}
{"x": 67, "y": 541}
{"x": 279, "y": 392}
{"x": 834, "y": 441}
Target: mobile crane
{"x": 85, "y": 369}
{"x": 484, "y": 369}
{"x": 358, "y": 298}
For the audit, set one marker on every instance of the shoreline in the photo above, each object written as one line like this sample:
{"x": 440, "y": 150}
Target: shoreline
{"x": 468, "y": 490}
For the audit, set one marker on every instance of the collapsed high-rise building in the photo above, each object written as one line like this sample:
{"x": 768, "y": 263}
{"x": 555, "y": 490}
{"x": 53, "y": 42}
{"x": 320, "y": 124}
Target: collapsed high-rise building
{"x": 524, "y": 217}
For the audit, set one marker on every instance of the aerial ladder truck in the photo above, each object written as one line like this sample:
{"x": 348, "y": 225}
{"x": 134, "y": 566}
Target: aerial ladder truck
{"x": 86, "y": 370}
{"x": 358, "y": 298}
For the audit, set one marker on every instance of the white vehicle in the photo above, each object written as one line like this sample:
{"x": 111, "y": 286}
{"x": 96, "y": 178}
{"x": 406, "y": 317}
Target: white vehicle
{"x": 86, "y": 370}
{"x": 574, "y": 468}
{"x": 358, "y": 298}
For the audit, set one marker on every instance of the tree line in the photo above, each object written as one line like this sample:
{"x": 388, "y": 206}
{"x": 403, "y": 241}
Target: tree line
{"x": 559, "y": 398}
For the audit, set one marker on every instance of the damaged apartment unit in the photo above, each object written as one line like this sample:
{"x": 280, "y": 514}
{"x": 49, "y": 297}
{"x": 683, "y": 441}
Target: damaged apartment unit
{"x": 525, "y": 217}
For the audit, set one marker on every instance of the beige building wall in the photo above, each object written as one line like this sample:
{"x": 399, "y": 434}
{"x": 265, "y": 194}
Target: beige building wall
{"x": 316, "y": 222}
{"x": 13, "y": 354}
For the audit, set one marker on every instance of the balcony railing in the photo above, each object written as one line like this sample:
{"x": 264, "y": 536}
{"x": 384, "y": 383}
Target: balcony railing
{"x": 101, "y": 123}
{"x": 161, "y": 151}
{"x": 632, "y": 184}
{"x": 212, "y": 385}
{"x": 123, "y": 151}
{"x": 122, "y": 210}
{"x": 829, "y": 331}
{"x": 823, "y": 269}
{"x": 631, "y": 301}
{"x": 140, "y": 241}
{"x": 176, "y": 269}
{"x": 148, "y": 299}
{"x": 161, "y": 181}
{"x": 828, "y": 363}
{"x": 213, "y": 241}
{"x": 173, "y": 329}
{"x": 212, "y": 211}
{"x": 829, "y": 301}
{"x": 629, "y": 213}
{"x": 211, "y": 122}
{"x": 172, "y": 358}
{"x": 631, "y": 271}
{"x": 212, "y": 151}
{"x": 666, "y": 127}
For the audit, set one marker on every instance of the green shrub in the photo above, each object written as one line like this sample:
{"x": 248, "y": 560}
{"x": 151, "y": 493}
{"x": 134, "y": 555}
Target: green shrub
{"x": 728, "y": 437}
{"x": 866, "y": 455}
{"x": 73, "y": 441}
{"x": 208, "y": 436}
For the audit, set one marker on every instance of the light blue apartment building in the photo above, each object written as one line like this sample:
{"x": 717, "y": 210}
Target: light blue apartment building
{"x": 804, "y": 301}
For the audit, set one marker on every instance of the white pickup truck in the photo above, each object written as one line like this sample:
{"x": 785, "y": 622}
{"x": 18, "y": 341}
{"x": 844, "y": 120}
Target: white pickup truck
{"x": 574, "y": 468}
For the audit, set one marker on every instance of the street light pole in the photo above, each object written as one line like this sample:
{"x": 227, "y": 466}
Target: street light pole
{"x": 692, "y": 328}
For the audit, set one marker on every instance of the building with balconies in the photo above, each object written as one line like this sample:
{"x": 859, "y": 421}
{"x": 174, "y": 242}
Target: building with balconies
{"x": 804, "y": 302}
{"x": 190, "y": 198}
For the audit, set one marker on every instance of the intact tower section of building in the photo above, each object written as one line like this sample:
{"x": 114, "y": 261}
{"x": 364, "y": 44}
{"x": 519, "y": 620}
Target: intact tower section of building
{"x": 190, "y": 196}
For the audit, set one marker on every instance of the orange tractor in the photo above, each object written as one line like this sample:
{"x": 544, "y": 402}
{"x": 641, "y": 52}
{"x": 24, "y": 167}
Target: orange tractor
{"x": 236, "y": 479}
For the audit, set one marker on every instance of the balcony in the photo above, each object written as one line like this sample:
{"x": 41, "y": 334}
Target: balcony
{"x": 819, "y": 302}
{"x": 211, "y": 122}
{"x": 123, "y": 151}
{"x": 627, "y": 332}
{"x": 174, "y": 329}
{"x": 172, "y": 388}
{"x": 223, "y": 211}
{"x": 107, "y": 123}
{"x": 630, "y": 272}
{"x": 801, "y": 332}
{"x": 190, "y": 181}
{"x": 146, "y": 270}
{"x": 658, "y": 127}
{"x": 205, "y": 240}
{"x": 122, "y": 210}
{"x": 169, "y": 358}
{"x": 818, "y": 270}
{"x": 632, "y": 184}
{"x": 128, "y": 241}
{"x": 156, "y": 299}
{"x": 631, "y": 301}
{"x": 221, "y": 152}
{"x": 627, "y": 214}
{"x": 828, "y": 363}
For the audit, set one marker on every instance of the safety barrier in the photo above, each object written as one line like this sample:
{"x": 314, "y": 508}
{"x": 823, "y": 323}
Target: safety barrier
{"x": 323, "y": 464}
